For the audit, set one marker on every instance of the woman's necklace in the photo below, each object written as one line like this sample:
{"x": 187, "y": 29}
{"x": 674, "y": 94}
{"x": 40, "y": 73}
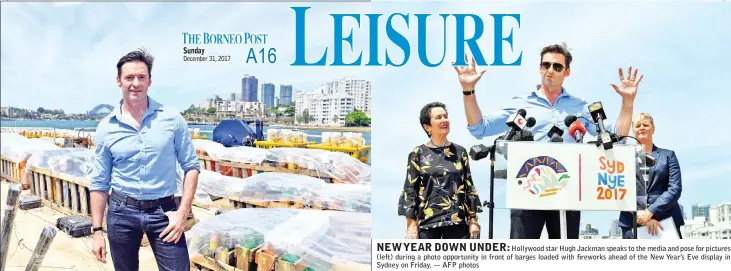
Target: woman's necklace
{"x": 439, "y": 146}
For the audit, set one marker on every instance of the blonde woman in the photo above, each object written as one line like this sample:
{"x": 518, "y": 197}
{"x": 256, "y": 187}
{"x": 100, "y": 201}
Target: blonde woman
{"x": 663, "y": 188}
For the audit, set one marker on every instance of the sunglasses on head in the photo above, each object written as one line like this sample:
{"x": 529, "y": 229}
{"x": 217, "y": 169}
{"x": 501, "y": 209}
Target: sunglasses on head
{"x": 558, "y": 67}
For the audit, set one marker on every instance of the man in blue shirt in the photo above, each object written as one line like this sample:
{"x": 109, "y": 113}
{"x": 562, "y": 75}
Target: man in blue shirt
{"x": 549, "y": 103}
{"x": 138, "y": 148}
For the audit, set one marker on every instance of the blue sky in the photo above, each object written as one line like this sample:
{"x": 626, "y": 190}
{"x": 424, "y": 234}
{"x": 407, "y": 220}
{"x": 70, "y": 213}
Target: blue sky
{"x": 63, "y": 56}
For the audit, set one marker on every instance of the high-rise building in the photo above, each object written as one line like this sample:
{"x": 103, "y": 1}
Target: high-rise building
{"x": 614, "y": 229}
{"x": 267, "y": 94}
{"x": 715, "y": 225}
{"x": 720, "y": 213}
{"x": 700, "y": 210}
{"x": 332, "y": 109}
{"x": 305, "y": 107}
{"x": 359, "y": 89}
{"x": 249, "y": 88}
{"x": 285, "y": 94}
{"x": 589, "y": 233}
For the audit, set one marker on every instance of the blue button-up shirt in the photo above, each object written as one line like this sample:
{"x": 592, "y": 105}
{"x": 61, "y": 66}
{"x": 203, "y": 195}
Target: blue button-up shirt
{"x": 141, "y": 163}
{"x": 546, "y": 116}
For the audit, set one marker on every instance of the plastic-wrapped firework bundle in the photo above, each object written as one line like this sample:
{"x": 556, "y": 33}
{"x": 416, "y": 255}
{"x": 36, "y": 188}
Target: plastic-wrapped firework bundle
{"x": 44, "y": 243}
{"x": 303, "y": 191}
{"x": 330, "y": 164}
{"x": 208, "y": 148}
{"x": 77, "y": 162}
{"x": 218, "y": 185}
{"x": 242, "y": 154}
{"x": 320, "y": 240}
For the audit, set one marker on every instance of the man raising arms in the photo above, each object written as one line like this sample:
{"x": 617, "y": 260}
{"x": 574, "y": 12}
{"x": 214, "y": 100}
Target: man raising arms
{"x": 549, "y": 103}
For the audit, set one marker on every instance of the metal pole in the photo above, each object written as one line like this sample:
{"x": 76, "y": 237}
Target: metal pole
{"x": 11, "y": 205}
{"x": 562, "y": 223}
{"x": 44, "y": 243}
{"x": 491, "y": 204}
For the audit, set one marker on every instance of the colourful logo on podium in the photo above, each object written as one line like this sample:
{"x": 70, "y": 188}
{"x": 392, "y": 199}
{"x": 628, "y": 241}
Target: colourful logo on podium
{"x": 542, "y": 176}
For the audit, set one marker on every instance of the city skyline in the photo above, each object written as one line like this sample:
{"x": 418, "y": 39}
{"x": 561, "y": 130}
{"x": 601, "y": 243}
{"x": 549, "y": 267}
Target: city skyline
{"x": 35, "y": 31}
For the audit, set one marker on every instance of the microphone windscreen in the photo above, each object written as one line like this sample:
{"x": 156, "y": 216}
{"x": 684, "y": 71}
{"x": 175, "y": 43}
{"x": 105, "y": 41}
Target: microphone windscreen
{"x": 569, "y": 120}
{"x": 649, "y": 160}
{"x": 523, "y": 135}
{"x": 531, "y": 122}
{"x": 521, "y": 112}
{"x": 478, "y": 152}
{"x": 577, "y": 126}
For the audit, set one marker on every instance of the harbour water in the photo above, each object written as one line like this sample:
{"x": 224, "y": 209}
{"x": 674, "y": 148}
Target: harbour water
{"x": 207, "y": 130}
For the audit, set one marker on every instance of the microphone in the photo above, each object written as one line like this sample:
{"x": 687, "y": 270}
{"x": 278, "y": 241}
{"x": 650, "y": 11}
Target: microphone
{"x": 478, "y": 152}
{"x": 516, "y": 122}
{"x": 649, "y": 160}
{"x": 523, "y": 135}
{"x": 481, "y": 151}
{"x": 597, "y": 113}
{"x": 577, "y": 131}
{"x": 556, "y": 134}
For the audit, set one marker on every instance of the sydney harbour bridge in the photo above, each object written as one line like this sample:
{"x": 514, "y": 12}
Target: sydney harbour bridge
{"x": 100, "y": 110}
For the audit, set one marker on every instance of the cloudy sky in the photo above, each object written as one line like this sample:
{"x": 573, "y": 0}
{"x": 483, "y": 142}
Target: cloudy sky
{"x": 64, "y": 56}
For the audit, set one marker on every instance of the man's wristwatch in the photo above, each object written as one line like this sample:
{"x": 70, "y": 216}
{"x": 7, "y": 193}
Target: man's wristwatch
{"x": 468, "y": 92}
{"x": 96, "y": 229}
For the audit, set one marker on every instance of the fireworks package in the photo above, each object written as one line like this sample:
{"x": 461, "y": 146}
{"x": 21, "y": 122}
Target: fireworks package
{"x": 75, "y": 226}
{"x": 29, "y": 202}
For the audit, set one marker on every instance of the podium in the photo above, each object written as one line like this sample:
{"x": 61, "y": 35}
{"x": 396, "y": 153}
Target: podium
{"x": 560, "y": 176}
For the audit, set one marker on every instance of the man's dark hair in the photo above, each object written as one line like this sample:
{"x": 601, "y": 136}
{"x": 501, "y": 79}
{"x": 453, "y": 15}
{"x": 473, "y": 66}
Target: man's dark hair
{"x": 559, "y": 49}
{"x": 425, "y": 114}
{"x": 140, "y": 55}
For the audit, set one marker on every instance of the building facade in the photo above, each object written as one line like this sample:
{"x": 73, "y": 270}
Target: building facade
{"x": 332, "y": 109}
{"x": 589, "y": 233}
{"x": 305, "y": 105}
{"x": 249, "y": 89}
{"x": 709, "y": 222}
{"x": 359, "y": 89}
{"x": 699, "y": 210}
{"x": 267, "y": 94}
{"x": 285, "y": 94}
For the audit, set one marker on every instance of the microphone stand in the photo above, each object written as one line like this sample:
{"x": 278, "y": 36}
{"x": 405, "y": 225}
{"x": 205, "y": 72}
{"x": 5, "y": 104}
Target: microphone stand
{"x": 644, "y": 170}
{"x": 491, "y": 203}
{"x": 634, "y": 225}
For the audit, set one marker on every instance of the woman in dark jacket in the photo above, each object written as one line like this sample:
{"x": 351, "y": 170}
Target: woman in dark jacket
{"x": 439, "y": 199}
{"x": 663, "y": 189}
